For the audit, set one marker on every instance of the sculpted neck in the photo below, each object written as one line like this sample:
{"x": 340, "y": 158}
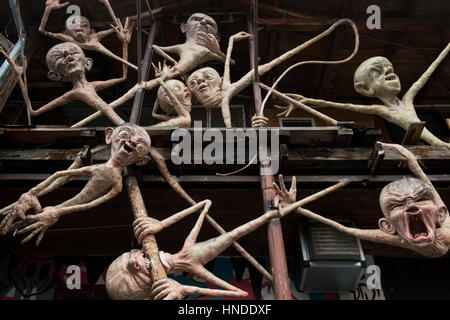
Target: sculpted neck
{"x": 79, "y": 80}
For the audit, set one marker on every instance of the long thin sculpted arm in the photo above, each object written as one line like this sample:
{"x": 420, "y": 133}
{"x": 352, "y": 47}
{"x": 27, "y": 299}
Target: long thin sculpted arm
{"x": 174, "y": 184}
{"x": 77, "y": 163}
{"x": 192, "y": 237}
{"x": 115, "y": 190}
{"x": 60, "y": 101}
{"x": 101, "y": 85}
{"x": 414, "y": 166}
{"x": 59, "y": 36}
{"x": 120, "y": 101}
{"x": 102, "y": 34}
{"x": 373, "y": 235}
{"x": 46, "y": 183}
{"x": 415, "y": 88}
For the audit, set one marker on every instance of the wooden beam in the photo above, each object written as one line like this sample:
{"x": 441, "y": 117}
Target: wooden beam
{"x": 389, "y": 24}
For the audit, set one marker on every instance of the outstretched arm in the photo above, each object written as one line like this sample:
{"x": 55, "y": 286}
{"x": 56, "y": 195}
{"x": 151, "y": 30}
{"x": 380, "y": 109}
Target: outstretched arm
{"x": 169, "y": 289}
{"x": 124, "y": 34}
{"x": 110, "y": 10}
{"x": 226, "y": 74}
{"x": 370, "y": 109}
{"x": 418, "y": 85}
{"x": 49, "y": 6}
{"x": 102, "y": 34}
{"x": 414, "y": 166}
{"x": 162, "y": 167}
{"x": 39, "y": 223}
{"x": 373, "y": 235}
{"x": 145, "y": 226}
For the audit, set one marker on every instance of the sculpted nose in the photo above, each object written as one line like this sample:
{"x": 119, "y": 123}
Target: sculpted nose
{"x": 412, "y": 208}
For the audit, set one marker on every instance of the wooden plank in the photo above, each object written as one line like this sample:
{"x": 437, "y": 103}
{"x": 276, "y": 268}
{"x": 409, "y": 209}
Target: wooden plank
{"x": 414, "y": 132}
{"x": 389, "y": 24}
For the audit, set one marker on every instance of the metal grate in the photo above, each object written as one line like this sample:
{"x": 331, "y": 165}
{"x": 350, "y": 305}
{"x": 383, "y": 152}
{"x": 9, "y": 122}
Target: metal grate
{"x": 327, "y": 243}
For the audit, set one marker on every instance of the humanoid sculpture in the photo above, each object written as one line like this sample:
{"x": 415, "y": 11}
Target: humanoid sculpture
{"x": 66, "y": 61}
{"x": 201, "y": 45}
{"x": 415, "y": 217}
{"x": 212, "y": 91}
{"x": 82, "y": 34}
{"x": 128, "y": 276}
{"x": 129, "y": 144}
{"x": 173, "y": 97}
{"x": 375, "y": 77}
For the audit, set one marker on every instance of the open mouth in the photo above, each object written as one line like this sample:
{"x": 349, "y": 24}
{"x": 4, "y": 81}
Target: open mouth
{"x": 127, "y": 148}
{"x": 202, "y": 87}
{"x": 390, "y": 77}
{"x": 417, "y": 229}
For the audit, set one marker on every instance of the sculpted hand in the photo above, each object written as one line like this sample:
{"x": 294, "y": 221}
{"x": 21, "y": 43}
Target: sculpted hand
{"x": 242, "y": 35}
{"x": 167, "y": 289}
{"x": 26, "y": 202}
{"x": 209, "y": 41}
{"x": 163, "y": 71}
{"x": 145, "y": 226}
{"x": 284, "y": 197}
{"x": 54, "y": 4}
{"x": 259, "y": 121}
{"x": 38, "y": 224}
{"x": 124, "y": 33}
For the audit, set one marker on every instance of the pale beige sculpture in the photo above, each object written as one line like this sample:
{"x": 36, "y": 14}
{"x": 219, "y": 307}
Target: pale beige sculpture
{"x": 66, "y": 61}
{"x": 128, "y": 276}
{"x": 375, "y": 77}
{"x": 212, "y": 91}
{"x": 81, "y": 33}
{"x": 415, "y": 217}
{"x": 173, "y": 97}
{"x": 129, "y": 144}
{"x": 201, "y": 46}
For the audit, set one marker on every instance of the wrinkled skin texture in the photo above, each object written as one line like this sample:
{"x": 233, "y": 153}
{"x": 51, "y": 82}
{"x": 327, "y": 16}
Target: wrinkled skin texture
{"x": 67, "y": 62}
{"x": 415, "y": 216}
{"x": 129, "y": 144}
{"x": 82, "y": 34}
{"x": 193, "y": 256}
{"x": 201, "y": 45}
{"x": 410, "y": 211}
{"x": 375, "y": 77}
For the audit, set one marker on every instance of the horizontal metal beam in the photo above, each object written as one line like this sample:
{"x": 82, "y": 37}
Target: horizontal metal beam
{"x": 213, "y": 179}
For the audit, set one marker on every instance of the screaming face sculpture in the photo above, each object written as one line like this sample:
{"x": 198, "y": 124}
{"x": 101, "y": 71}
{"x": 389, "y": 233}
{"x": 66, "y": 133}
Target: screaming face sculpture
{"x": 129, "y": 144}
{"x": 410, "y": 211}
{"x": 415, "y": 217}
{"x": 78, "y": 30}
{"x": 201, "y": 45}
{"x": 375, "y": 77}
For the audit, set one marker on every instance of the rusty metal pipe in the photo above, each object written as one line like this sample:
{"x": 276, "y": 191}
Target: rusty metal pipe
{"x": 277, "y": 251}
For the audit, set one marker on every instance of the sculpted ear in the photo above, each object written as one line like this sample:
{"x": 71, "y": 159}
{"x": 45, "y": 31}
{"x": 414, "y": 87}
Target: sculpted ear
{"x": 108, "y": 135}
{"x": 361, "y": 88}
{"x": 183, "y": 27}
{"x": 53, "y": 75}
{"x": 143, "y": 161}
{"x": 88, "y": 63}
{"x": 442, "y": 215}
{"x": 386, "y": 226}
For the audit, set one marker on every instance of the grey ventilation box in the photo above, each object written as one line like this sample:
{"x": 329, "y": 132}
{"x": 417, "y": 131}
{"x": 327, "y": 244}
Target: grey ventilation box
{"x": 328, "y": 260}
